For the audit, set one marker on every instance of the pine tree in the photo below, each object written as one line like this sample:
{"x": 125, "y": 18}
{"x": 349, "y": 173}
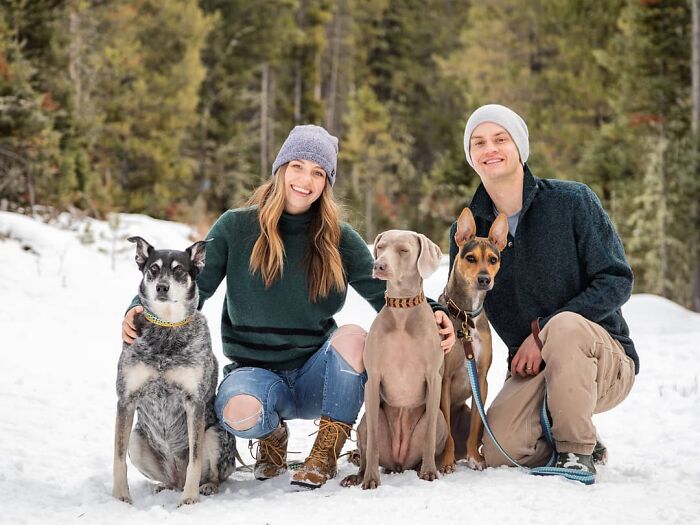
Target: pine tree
{"x": 380, "y": 166}
{"x": 650, "y": 57}
{"x": 29, "y": 146}
{"x": 150, "y": 74}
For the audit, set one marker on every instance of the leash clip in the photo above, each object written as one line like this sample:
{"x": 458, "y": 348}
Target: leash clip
{"x": 466, "y": 330}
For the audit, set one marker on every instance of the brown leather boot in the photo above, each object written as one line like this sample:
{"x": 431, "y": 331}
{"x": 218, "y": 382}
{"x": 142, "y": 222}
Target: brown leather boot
{"x": 321, "y": 465}
{"x": 271, "y": 456}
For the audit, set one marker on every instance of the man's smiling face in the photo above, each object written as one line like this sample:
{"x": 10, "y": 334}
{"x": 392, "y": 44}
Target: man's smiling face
{"x": 493, "y": 152}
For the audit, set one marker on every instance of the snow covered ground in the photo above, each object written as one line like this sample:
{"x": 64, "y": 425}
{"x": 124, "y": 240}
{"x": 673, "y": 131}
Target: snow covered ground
{"x": 61, "y": 306}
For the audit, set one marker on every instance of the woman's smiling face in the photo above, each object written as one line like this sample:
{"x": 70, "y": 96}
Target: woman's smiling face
{"x": 304, "y": 181}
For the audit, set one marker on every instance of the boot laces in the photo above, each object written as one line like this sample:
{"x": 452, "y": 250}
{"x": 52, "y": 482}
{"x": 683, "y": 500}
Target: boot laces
{"x": 270, "y": 450}
{"x": 329, "y": 434}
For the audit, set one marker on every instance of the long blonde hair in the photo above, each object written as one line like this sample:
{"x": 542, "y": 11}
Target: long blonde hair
{"x": 324, "y": 267}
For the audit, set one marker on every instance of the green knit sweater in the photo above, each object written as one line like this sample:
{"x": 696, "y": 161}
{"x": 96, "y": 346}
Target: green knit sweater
{"x": 277, "y": 327}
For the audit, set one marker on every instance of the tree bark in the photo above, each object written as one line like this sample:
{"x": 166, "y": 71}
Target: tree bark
{"x": 297, "y": 91}
{"x": 271, "y": 115}
{"x": 74, "y": 50}
{"x": 695, "y": 210}
{"x": 264, "y": 145}
{"x": 331, "y": 125}
{"x": 369, "y": 206}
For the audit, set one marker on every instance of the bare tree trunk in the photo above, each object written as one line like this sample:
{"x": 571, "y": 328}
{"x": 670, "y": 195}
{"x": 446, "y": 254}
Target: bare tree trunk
{"x": 664, "y": 288}
{"x": 335, "y": 67}
{"x": 695, "y": 209}
{"x": 297, "y": 92}
{"x": 264, "y": 81}
{"x": 355, "y": 178}
{"x": 271, "y": 115}
{"x": 369, "y": 215}
{"x": 318, "y": 67}
{"x": 30, "y": 189}
{"x": 74, "y": 51}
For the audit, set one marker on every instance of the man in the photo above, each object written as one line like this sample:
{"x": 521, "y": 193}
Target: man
{"x": 556, "y": 299}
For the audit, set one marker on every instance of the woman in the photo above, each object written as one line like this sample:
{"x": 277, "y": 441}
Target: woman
{"x": 287, "y": 260}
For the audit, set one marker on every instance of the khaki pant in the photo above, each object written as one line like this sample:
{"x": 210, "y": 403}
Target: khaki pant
{"x": 587, "y": 372}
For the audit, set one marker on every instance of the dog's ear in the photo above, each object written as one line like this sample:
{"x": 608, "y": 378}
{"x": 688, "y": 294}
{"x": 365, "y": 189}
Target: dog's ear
{"x": 498, "y": 234}
{"x": 143, "y": 251}
{"x": 374, "y": 246}
{"x": 197, "y": 254}
{"x": 429, "y": 257}
{"x": 466, "y": 227}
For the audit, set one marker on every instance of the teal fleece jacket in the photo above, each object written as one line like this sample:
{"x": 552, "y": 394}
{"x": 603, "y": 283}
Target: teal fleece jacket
{"x": 565, "y": 257}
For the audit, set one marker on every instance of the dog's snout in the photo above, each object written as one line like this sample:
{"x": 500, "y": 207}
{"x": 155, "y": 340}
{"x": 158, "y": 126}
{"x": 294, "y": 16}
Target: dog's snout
{"x": 380, "y": 266}
{"x": 484, "y": 280}
{"x": 162, "y": 287}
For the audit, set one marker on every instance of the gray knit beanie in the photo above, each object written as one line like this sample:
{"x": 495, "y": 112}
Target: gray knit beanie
{"x": 504, "y": 117}
{"x": 312, "y": 143}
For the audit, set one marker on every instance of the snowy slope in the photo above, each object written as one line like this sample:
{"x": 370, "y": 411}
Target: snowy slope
{"x": 60, "y": 318}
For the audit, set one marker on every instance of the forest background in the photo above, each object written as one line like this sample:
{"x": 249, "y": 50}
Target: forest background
{"x": 176, "y": 108}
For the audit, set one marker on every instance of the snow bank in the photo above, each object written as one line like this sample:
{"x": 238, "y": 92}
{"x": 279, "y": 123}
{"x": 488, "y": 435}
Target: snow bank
{"x": 62, "y": 305}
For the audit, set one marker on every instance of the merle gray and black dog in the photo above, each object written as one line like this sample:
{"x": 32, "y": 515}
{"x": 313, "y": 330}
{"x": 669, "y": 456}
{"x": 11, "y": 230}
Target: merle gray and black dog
{"x": 168, "y": 375}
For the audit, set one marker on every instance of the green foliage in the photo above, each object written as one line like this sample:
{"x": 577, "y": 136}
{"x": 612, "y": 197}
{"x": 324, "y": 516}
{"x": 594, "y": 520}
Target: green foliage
{"x": 29, "y": 145}
{"x": 177, "y": 108}
{"x": 646, "y": 152}
{"x": 150, "y": 75}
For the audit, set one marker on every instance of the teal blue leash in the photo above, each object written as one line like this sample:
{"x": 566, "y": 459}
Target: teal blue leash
{"x": 587, "y": 478}
{"x": 464, "y": 334}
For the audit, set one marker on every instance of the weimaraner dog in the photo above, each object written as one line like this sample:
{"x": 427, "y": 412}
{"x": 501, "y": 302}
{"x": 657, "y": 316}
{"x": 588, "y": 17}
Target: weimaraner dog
{"x": 402, "y": 427}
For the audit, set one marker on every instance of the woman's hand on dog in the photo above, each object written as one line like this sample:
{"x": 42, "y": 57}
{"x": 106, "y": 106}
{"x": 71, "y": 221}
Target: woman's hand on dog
{"x": 527, "y": 359}
{"x": 446, "y": 330}
{"x": 129, "y": 332}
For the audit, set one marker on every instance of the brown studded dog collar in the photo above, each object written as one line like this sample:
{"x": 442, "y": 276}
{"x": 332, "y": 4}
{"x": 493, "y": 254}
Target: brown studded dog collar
{"x": 404, "y": 302}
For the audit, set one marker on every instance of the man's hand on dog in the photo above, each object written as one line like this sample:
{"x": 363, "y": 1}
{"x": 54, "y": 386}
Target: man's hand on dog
{"x": 446, "y": 330}
{"x": 129, "y": 332}
{"x": 527, "y": 359}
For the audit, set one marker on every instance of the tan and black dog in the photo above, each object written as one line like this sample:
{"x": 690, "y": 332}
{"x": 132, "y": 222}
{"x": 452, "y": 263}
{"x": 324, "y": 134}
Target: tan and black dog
{"x": 472, "y": 276}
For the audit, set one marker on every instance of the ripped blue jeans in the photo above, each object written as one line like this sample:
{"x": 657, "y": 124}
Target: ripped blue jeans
{"x": 326, "y": 385}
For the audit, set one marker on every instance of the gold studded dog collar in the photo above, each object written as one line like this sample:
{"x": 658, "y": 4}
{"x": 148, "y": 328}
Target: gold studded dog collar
{"x": 404, "y": 302}
{"x": 152, "y": 318}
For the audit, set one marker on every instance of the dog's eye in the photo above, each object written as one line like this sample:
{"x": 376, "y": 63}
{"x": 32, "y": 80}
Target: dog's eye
{"x": 471, "y": 258}
{"x": 493, "y": 260}
{"x": 179, "y": 271}
{"x": 154, "y": 268}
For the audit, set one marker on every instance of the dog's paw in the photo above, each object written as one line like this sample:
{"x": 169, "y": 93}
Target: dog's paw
{"x": 207, "y": 489}
{"x": 448, "y": 469}
{"x": 354, "y": 457}
{"x": 188, "y": 501}
{"x": 160, "y": 487}
{"x": 122, "y": 495}
{"x": 370, "y": 482}
{"x": 428, "y": 474}
{"x": 476, "y": 463}
{"x": 351, "y": 481}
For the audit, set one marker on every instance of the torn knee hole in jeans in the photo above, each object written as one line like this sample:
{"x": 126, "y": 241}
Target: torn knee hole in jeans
{"x": 344, "y": 366}
{"x": 233, "y": 424}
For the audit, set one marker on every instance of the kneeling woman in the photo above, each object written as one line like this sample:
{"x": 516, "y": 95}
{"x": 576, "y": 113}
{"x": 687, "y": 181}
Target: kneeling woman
{"x": 287, "y": 260}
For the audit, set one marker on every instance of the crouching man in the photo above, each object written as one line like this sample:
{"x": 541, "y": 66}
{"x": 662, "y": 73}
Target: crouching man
{"x": 556, "y": 301}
